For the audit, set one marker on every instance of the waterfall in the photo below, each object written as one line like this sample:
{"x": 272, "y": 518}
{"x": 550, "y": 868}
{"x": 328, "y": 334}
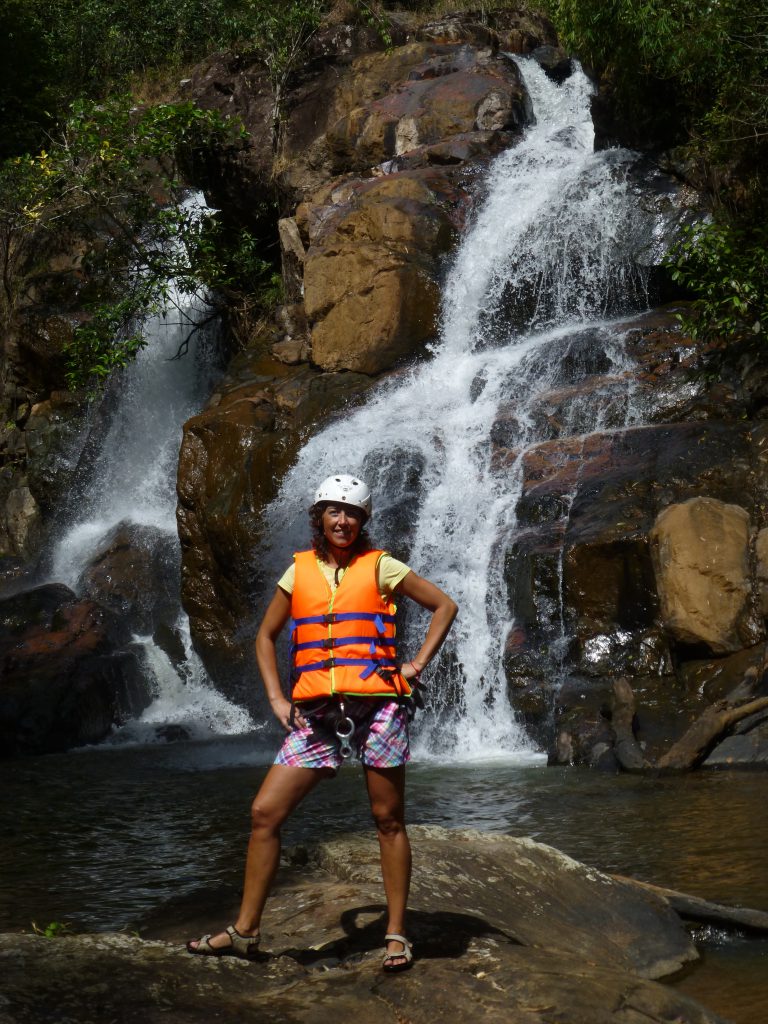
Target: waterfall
{"x": 131, "y": 483}
{"x": 548, "y": 257}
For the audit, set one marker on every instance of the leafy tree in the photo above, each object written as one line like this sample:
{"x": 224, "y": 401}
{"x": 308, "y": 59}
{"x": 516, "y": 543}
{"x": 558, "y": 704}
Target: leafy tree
{"x": 281, "y": 32}
{"x": 53, "y": 52}
{"x": 111, "y": 183}
{"x": 699, "y": 68}
{"x": 726, "y": 268}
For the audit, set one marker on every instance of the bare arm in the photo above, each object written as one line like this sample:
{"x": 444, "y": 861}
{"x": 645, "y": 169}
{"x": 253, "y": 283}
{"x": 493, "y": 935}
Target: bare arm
{"x": 444, "y": 610}
{"x": 275, "y": 617}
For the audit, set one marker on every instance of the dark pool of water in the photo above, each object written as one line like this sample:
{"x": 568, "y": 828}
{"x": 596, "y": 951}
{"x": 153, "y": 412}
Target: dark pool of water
{"x": 103, "y": 839}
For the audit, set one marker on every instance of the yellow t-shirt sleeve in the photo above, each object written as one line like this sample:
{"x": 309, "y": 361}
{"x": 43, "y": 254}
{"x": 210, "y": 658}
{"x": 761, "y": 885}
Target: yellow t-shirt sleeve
{"x": 390, "y": 572}
{"x": 287, "y": 580}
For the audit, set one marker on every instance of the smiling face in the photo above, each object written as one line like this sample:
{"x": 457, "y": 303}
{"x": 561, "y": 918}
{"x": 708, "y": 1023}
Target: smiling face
{"x": 342, "y": 524}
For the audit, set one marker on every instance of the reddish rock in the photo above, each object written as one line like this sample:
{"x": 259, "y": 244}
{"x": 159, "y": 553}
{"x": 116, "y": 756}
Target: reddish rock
{"x": 66, "y": 673}
{"x": 452, "y": 93}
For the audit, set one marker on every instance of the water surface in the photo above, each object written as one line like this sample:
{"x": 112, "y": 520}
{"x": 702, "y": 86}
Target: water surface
{"x": 108, "y": 838}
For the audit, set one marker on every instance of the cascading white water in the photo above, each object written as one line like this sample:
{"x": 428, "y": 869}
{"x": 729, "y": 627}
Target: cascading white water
{"x": 133, "y": 481}
{"x": 133, "y": 476}
{"x": 548, "y": 257}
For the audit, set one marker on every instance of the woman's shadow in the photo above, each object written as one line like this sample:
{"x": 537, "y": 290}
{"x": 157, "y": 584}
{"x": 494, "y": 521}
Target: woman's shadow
{"x": 437, "y": 935}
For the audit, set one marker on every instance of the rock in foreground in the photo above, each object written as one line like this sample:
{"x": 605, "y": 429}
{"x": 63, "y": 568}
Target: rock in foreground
{"x": 505, "y": 928}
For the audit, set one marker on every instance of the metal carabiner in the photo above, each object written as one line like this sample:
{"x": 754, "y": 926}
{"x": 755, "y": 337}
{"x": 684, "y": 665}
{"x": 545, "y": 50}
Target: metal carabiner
{"x": 345, "y": 729}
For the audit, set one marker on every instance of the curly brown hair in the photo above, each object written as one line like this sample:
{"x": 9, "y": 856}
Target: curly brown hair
{"x": 320, "y": 541}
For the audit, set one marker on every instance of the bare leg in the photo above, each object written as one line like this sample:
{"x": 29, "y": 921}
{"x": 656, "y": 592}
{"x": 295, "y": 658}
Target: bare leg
{"x": 386, "y": 792}
{"x": 281, "y": 792}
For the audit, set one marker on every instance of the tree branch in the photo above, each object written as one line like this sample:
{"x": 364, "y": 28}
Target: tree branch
{"x": 701, "y": 736}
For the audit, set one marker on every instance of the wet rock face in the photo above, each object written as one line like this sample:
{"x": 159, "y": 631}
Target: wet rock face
{"x": 66, "y": 672}
{"x": 232, "y": 457}
{"x": 38, "y": 451}
{"x": 377, "y": 170}
{"x": 639, "y": 553}
{"x": 503, "y": 926}
{"x": 135, "y": 574}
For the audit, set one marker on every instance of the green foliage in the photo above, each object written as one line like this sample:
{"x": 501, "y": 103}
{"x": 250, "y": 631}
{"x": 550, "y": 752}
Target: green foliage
{"x": 111, "y": 184}
{"x": 726, "y": 268}
{"x": 52, "y": 930}
{"x": 278, "y": 32}
{"x": 702, "y": 68}
{"x": 696, "y": 74}
{"x": 100, "y": 346}
{"x": 53, "y": 52}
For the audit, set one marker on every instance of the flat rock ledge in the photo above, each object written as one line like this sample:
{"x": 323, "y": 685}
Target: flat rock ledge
{"x": 504, "y": 929}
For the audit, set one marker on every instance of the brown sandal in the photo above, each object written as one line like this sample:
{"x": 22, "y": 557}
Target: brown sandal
{"x": 243, "y": 946}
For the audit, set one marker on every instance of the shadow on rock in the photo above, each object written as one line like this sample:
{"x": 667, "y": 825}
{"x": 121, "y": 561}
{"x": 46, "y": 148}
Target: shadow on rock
{"x": 442, "y": 935}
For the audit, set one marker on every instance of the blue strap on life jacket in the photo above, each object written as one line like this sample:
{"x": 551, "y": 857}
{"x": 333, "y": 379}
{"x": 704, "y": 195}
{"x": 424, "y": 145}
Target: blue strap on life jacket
{"x": 343, "y": 641}
{"x": 370, "y": 665}
{"x": 378, "y": 618}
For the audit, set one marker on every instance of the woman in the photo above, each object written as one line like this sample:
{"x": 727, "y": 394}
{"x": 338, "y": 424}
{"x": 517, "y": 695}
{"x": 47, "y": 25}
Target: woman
{"x": 349, "y": 689}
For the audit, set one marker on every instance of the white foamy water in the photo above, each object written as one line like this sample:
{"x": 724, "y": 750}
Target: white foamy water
{"x": 182, "y": 697}
{"x": 547, "y": 259}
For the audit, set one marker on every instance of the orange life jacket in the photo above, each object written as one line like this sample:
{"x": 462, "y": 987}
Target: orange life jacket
{"x": 343, "y": 641}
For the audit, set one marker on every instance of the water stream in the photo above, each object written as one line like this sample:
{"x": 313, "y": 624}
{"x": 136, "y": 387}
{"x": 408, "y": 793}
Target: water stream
{"x": 550, "y": 256}
{"x": 131, "y": 483}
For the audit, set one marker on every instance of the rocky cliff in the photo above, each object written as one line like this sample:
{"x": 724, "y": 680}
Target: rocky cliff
{"x": 377, "y": 171}
{"x": 641, "y": 552}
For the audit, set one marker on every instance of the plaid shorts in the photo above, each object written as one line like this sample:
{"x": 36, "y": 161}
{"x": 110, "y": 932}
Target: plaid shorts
{"x": 382, "y": 743}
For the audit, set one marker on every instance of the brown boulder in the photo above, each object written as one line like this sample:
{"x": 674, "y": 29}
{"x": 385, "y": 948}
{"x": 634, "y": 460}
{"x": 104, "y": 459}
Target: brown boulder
{"x": 701, "y": 559}
{"x": 371, "y": 292}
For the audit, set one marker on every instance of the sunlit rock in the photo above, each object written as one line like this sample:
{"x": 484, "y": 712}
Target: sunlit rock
{"x": 700, "y": 551}
{"x": 371, "y": 289}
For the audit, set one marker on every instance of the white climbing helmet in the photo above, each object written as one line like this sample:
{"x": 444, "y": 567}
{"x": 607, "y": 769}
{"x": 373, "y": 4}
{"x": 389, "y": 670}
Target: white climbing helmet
{"x": 346, "y": 490}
